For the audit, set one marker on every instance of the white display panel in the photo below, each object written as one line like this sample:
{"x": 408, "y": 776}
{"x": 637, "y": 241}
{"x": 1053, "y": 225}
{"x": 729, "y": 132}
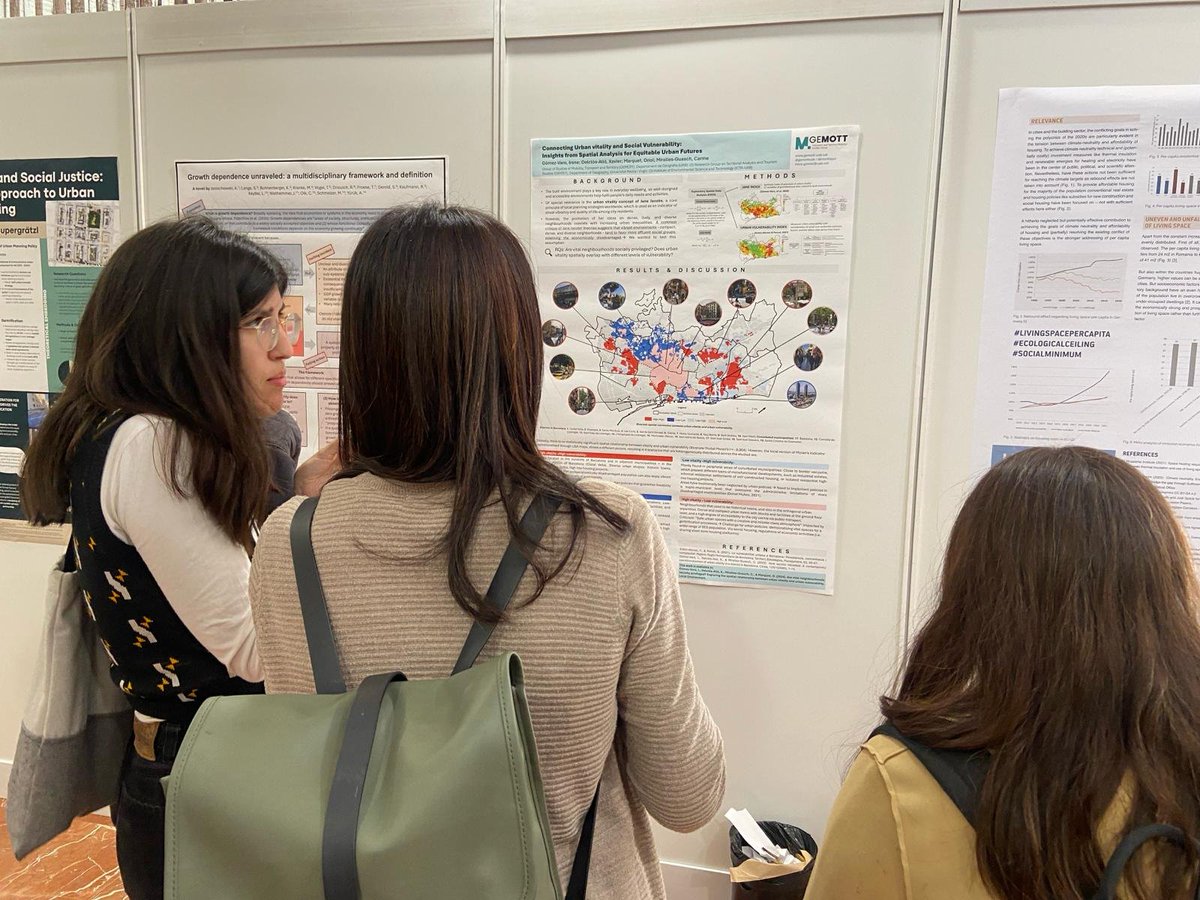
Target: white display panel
{"x": 824, "y": 660}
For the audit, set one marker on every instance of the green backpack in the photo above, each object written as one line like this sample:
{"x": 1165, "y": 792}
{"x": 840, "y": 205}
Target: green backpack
{"x": 398, "y": 789}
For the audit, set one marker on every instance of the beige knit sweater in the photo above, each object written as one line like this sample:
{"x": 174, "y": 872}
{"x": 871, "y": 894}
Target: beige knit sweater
{"x": 608, "y": 675}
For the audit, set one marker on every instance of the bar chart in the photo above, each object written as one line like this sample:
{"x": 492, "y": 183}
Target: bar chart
{"x": 1182, "y": 371}
{"x": 1179, "y": 133}
{"x": 1175, "y": 183}
{"x": 1174, "y": 410}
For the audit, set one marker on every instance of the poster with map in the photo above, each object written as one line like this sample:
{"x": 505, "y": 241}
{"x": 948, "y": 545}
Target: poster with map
{"x": 694, "y": 293}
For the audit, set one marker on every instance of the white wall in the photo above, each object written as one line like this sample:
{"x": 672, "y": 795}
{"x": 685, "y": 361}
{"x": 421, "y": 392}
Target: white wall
{"x": 826, "y": 658}
{"x": 477, "y": 80}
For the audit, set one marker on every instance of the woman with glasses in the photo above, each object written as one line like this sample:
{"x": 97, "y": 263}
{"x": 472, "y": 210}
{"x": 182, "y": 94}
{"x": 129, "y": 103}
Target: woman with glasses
{"x": 156, "y": 452}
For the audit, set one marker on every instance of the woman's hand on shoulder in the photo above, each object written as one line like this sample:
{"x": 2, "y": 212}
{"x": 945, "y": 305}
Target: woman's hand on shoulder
{"x": 314, "y": 472}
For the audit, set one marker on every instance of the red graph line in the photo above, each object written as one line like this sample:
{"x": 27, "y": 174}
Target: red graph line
{"x": 1029, "y": 404}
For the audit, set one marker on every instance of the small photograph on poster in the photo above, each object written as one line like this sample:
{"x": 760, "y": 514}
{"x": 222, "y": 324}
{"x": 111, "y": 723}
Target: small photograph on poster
{"x": 81, "y": 234}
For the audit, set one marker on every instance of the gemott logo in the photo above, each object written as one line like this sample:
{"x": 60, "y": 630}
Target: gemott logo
{"x": 816, "y": 140}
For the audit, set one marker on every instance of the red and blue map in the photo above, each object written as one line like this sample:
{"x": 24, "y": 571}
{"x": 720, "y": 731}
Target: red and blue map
{"x": 653, "y": 359}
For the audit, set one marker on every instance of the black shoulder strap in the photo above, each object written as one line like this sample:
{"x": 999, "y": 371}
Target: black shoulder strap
{"x": 577, "y": 886}
{"x": 339, "y": 840}
{"x": 499, "y": 594}
{"x": 322, "y": 652}
{"x": 960, "y": 773}
{"x": 321, "y": 649}
{"x": 508, "y": 575}
{"x": 1130, "y": 844}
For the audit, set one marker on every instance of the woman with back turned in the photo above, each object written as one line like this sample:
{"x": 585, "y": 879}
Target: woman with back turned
{"x": 1065, "y": 650}
{"x": 441, "y": 375}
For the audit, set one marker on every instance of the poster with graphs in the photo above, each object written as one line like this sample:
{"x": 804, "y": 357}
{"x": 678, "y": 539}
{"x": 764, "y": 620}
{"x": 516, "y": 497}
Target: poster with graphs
{"x": 1091, "y": 320}
{"x": 694, "y": 291}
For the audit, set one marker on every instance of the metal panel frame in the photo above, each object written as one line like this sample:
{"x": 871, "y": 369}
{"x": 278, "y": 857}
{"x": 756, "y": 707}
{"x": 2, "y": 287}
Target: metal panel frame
{"x": 57, "y": 38}
{"x": 554, "y": 18}
{"x": 274, "y": 24}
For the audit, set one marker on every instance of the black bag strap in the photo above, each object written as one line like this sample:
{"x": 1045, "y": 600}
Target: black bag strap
{"x": 577, "y": 886}
{"x": 499, "y": 594}
{"x": 322, "y": 652}
{"x": 960, "y": 773}
{"x": 508, "y": 575}
{"x": 339, "y": 840}
{"x": 1130, "y": 844}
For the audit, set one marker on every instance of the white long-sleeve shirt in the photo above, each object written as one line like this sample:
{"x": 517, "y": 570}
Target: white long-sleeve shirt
{"x": 203, "y": 573}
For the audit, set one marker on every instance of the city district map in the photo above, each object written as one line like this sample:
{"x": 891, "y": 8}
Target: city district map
{"x": 662, "y": 356}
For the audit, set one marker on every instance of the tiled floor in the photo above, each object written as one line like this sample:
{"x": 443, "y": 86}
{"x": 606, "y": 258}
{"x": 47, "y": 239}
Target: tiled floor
{"x": 79, "y": 865}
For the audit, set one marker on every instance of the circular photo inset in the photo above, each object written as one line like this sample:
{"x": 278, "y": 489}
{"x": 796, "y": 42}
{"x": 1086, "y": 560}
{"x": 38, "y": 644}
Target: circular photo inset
{"x": 675, "y": 290}
{"x": 822, "y": 320}
{"x": 562, "y": 366}
{"x": 566, "y": 295}
{"x": 742, "y": 293}
{"x": 801, "y": 394}
{"x": 612, "y": 295}
{"x": 554, "y": 332}
{"x": 708, "y": 313}
{"x": 807, "y": 357}
{"x": 581, "y": 400}
{"x": 64, "y": 371}
{"x": 796, "y": 293}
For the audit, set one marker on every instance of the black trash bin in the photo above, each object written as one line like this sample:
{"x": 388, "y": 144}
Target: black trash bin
{"x": 785, "y": 887}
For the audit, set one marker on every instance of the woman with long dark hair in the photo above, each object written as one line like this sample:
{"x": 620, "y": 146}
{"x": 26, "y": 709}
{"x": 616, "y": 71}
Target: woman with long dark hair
{"x": 1065, "y": 652}
{"x": 441, "y": 375}
{"x": 155, "y": 450}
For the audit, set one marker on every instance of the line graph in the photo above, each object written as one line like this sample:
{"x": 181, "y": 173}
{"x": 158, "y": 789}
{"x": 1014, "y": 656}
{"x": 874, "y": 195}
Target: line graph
{"x": 1066, "y": 395}
{"x": 1080, "y": 396}
{"x": 1058, "y": 282}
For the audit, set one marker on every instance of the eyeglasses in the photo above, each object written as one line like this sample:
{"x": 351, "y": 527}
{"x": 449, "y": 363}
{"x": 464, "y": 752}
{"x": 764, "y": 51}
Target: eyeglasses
{"x": 268, "y": 328}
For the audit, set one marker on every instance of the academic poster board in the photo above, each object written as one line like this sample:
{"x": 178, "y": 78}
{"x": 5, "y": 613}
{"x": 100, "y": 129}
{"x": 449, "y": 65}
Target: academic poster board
{"x": 695, "y": 296}
{"x": 59, "y": 223}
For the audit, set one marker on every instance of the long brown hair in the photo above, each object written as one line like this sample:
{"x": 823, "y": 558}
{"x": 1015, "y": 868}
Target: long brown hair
{"x": 1066, "y": 642}
{"x": 159, "y": 336}
{"x": 441, "y": 376}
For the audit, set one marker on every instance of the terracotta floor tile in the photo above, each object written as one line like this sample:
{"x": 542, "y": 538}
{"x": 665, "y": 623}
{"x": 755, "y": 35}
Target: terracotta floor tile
{"x": 78, "y": 865}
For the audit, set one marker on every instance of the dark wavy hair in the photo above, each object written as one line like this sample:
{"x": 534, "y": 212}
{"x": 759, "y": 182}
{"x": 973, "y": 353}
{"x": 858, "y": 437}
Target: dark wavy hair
{"x": 441, "y": 376}
{"x": 1065, "y": 641}
{"x": 159, "y": 336}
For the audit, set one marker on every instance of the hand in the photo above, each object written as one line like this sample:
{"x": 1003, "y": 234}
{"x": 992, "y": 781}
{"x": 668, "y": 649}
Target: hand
{"x": 314, "y": 472}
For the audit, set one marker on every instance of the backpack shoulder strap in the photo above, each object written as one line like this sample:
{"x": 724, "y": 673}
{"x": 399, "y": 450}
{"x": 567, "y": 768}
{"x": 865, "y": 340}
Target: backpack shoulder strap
{"x": 508, "y": 574}
{"x": 322, "y": 652}
{"x": 577, "y": 886}
{"x": 1130, "y": 844}
{"x": 499, "y": 594}
{"x": 960, "y": 773}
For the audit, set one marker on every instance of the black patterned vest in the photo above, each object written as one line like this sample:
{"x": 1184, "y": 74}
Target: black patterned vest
{"x": 156, "y": 661}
